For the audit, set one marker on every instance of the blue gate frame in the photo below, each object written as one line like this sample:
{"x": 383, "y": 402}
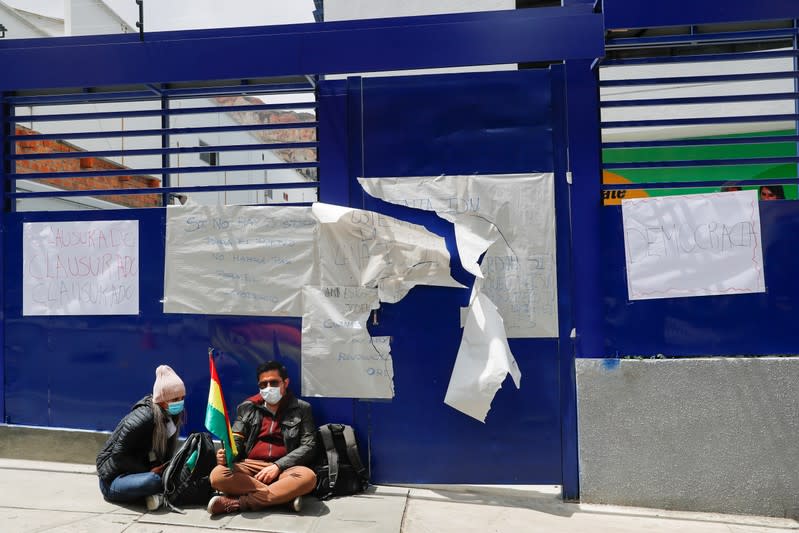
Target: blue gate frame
{"x": 587, "y": 218}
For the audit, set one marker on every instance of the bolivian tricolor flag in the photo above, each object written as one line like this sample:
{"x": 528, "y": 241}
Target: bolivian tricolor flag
{"x": 216, "y": 417}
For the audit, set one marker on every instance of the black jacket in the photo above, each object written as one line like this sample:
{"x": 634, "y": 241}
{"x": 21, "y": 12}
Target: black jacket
{"x": 128, "y": 448}
{"x": 296, "y": 424}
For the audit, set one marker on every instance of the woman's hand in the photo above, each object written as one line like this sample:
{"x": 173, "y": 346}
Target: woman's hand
{"x": 158, "y": 469}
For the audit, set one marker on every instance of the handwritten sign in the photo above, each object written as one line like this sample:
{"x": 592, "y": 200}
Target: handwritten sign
{"x": 694, "y": 245}
{"x": 80, "y": 268}
{"x": 339, "y": 358}
{"x": 238, "y": 260}
{"x": 510, "y": 218}
{"x": 366, "y": 249}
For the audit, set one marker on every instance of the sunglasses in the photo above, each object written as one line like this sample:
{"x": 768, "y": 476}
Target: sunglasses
{"x": 269, "y": 383}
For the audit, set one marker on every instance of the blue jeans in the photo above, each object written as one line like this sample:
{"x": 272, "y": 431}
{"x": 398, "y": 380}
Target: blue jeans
{"x": 131, "y": 487}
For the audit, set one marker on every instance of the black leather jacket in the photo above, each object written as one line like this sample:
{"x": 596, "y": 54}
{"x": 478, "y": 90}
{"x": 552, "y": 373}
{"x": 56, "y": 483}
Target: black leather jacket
{"x": 296, "y": 424}
{"x": 127, "y": 449}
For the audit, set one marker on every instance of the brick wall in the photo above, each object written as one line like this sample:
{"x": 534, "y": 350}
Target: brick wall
{"x": 77, "y": 164}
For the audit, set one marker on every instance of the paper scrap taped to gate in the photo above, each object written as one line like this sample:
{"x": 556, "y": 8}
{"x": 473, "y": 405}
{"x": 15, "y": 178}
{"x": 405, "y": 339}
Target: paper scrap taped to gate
{"x": 693, "y": 245}
{"x": 483, "y": 362}
{"x": 512, "y": 216}
{"x": 80, "y": 268}
{"x": 339, "y": 358}
{"x": 360, "y": 248}
{"x": 238, "y": 260}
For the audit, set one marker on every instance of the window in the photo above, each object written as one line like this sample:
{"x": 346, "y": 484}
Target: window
{"x": 212, "y": 158}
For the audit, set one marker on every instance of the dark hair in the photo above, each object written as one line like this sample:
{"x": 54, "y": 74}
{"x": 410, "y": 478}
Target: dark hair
{"x": 269, "y": 366}
{"x": 778, "y": 190}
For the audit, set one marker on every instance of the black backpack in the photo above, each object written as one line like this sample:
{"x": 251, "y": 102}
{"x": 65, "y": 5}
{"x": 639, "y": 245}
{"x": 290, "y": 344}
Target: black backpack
{"x": 185, "y": 478}
{"x": 340, "y": 471}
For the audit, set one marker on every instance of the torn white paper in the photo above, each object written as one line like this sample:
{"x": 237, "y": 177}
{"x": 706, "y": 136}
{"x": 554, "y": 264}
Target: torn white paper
{"x": 484, "y": 360}
{"x": 693, "y": 245}
{"x": 339, "y": 358}
{"x": 257, "y": 260}
{"x": 366, "y": 249}
{"x": 511, "y": 218}
{"x": 80, "y": 268}
{"x": 238, "y": 260}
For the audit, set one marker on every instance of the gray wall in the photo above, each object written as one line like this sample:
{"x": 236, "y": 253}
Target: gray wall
{"x": 59, "y": 445}
{"x": 718, "y": 435}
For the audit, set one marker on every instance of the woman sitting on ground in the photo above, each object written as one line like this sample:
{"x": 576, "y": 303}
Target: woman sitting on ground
{"x": 134, "y": 456}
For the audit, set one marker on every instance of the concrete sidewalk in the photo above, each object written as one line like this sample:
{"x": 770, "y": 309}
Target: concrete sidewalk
{"x": 38, "y": 496}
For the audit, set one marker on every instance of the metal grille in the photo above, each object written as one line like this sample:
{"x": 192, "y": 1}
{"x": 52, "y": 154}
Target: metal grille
{"x": 121, "y": 148}
{"x": 698, "y": 109}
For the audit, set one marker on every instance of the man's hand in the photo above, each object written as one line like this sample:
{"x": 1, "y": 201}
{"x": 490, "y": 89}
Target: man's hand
{"x": 158, "y": 469}
{"x": 220, "y": 457}
{"x": 268, "y": 474}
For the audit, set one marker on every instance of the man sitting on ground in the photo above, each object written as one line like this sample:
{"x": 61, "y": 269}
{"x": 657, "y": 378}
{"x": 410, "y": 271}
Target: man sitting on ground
{"x": 275, "y": 436}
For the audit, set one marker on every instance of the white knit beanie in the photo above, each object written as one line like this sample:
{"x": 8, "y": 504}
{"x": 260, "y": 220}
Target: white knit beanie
{"x": 167, "y": 385}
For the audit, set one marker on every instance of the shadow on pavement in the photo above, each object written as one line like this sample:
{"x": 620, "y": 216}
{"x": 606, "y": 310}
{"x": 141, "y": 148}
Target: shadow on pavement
{"x": 543, "y": 502}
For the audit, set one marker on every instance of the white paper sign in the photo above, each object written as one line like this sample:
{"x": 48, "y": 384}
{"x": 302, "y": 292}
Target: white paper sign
{"x": 360, "y": 248}
{"x": 693, "y": 245}
{"x": 80, "y": 268}
{"x": 512, "y": 216}
{"x": 339, "y": 358}
{"x": 238, "y": 260}
{"x": 484, "y": 360}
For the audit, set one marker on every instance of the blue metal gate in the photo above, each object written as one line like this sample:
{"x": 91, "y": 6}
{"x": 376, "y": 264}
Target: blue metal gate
{"x": 83, "y": 372}
{"x": 460, "y": 124}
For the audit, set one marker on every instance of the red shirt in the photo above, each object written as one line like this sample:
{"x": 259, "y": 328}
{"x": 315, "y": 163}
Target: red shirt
{"x": 270, "y": 445}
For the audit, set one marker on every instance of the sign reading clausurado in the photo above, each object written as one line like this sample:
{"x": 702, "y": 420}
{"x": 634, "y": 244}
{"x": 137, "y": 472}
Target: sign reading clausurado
{"x": 693, "y": 245}
{"x": 80, "y": 268}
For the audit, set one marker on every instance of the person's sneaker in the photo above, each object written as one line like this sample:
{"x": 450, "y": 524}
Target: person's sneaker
{"x": 296, "y": 504}
{"x": 223, "y": 504}
{"x": 154, "y": 502}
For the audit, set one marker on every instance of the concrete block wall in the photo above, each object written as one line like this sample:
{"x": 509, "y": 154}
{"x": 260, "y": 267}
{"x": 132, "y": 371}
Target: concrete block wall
{"x": 47, "y": 444}
{"x": 710, "y": 434}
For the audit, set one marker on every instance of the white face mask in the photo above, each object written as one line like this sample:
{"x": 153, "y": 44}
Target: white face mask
{"x": 271, "y": 395}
